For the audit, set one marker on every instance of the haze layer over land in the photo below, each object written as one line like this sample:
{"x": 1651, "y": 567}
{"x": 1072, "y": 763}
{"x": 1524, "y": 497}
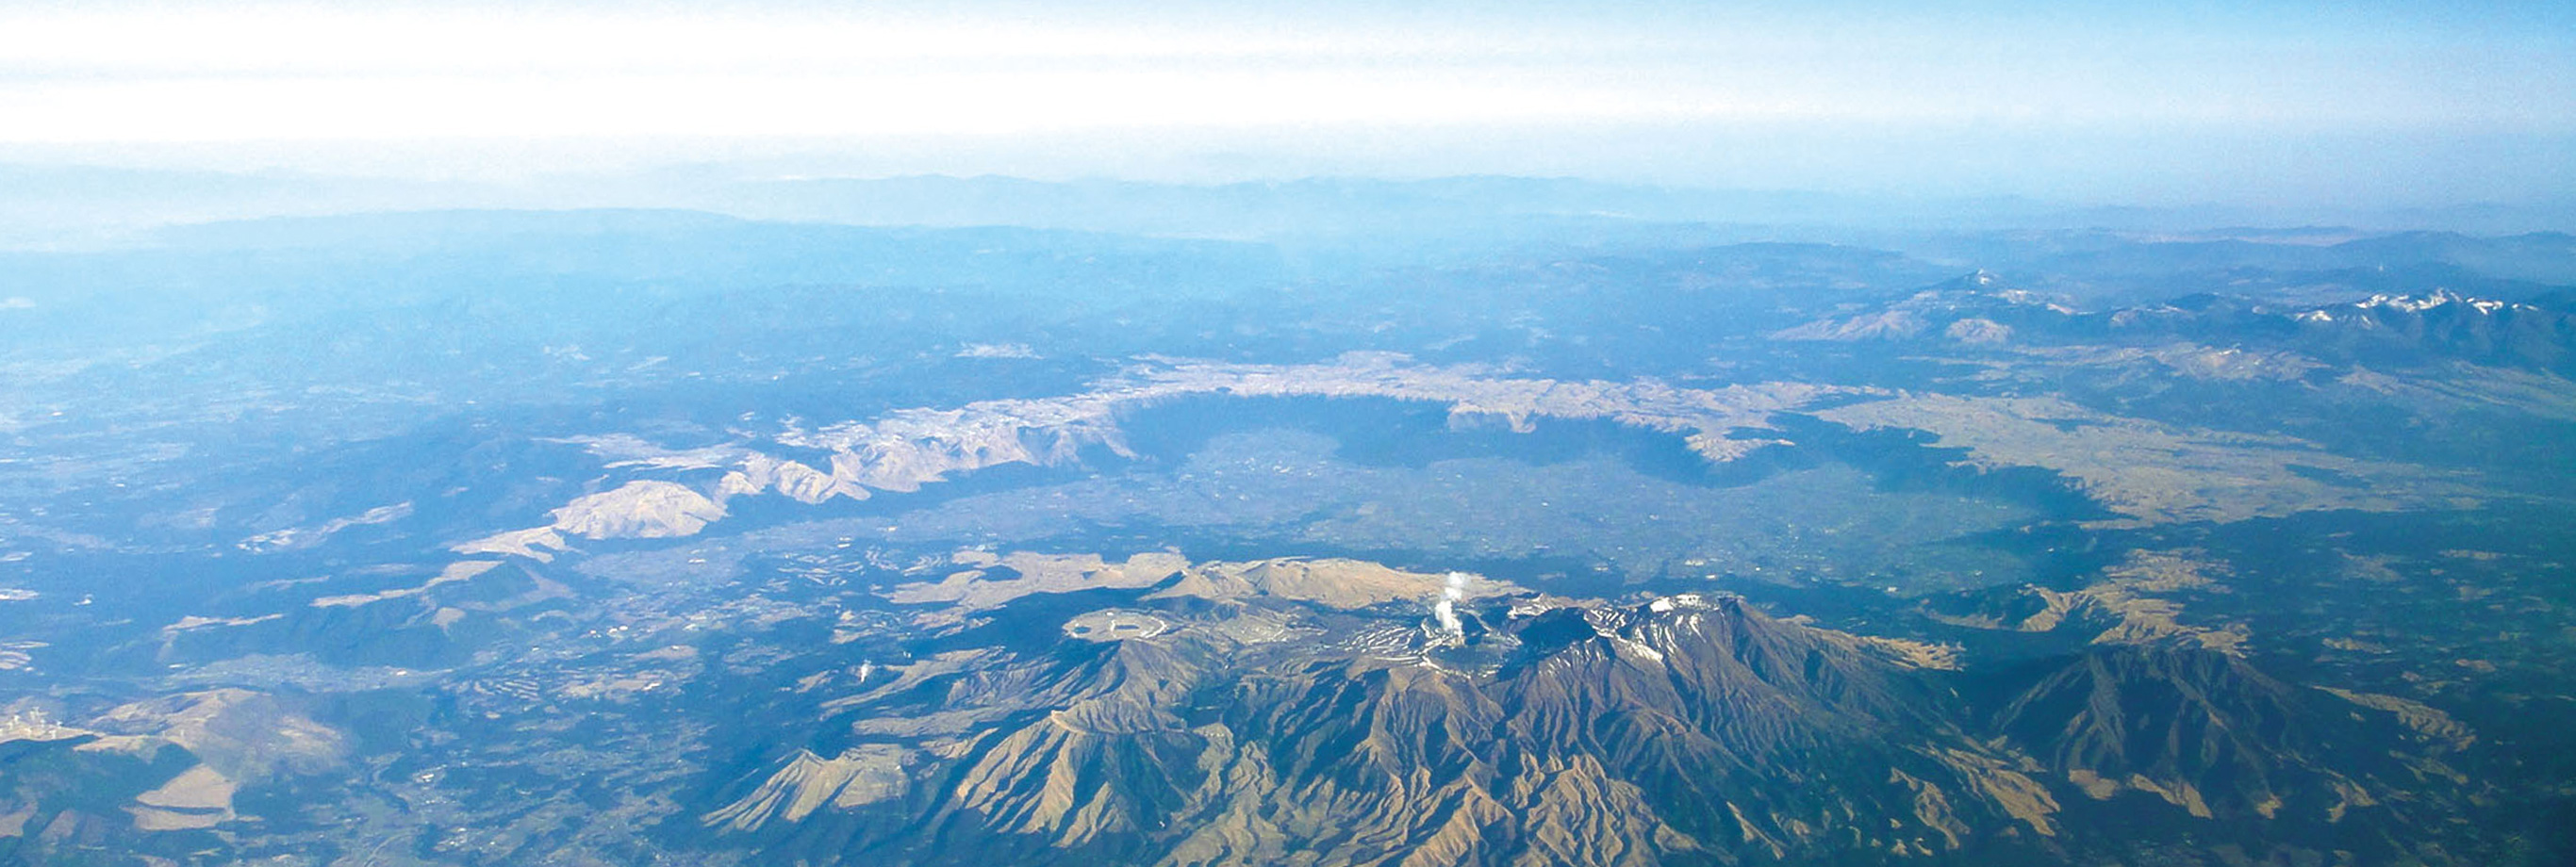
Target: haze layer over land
{"x": 2318, "y": 112}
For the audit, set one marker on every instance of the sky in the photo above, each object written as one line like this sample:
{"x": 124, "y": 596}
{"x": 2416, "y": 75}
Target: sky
{"x": 2366, "y": 103}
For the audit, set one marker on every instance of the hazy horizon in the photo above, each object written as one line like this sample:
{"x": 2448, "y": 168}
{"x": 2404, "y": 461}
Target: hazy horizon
{"x": 2288, "y": 107}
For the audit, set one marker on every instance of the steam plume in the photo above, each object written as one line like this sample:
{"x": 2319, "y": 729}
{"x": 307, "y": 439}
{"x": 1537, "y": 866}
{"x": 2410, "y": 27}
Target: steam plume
{"x": 1447, "y": 608}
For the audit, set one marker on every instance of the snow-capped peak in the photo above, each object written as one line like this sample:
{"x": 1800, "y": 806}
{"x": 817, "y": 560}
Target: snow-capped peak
{"x": 2430, "y": 300}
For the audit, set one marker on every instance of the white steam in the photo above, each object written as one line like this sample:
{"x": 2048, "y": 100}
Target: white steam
{"x": 1447, "y": 608}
